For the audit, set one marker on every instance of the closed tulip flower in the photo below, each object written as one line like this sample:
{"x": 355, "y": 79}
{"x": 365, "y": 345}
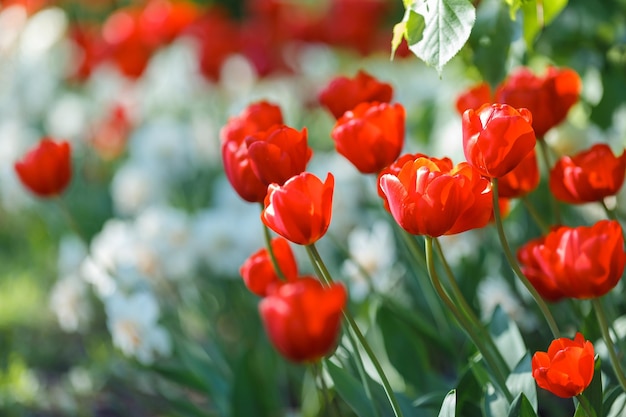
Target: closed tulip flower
{"x": 496, "y": 138}
{"x": 522, "y": 180}
{"x": 46, "y": 169}
{"x": 370, "y": 136}
{"x": 549, "y": 98}
{"x": 588, "y": 176}
{"x": 303, "y": 319}
{"x": 576, "y": 262}
{"x": 343, "y": 93}
{"x": 567, "y": 368}
{"x": 258, "y": 271}
{"x": 278, "y": 153}
{"x": 300, "y": 210}
{"x": 432, "y": 197}
{"x": 255, "y": 118}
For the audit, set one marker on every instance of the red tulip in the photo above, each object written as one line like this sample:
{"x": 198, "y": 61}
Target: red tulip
{"x": 567, "y": 368}
{"x": 255, "y": 118}
{"x": 46, "y": 169}
{"x": 588, "y": 176}
{"x": 496, "y": 138}
{"x": 522, "y": 180}
{"x": 343, "y": 93}
{"x": 474, "y": 98}
{"x": 371, "y": 135}
{"x": 258, "y": 271}
{"x": 577, "y": 262}
{"x": 303, "y": 319}
{"x": 300, "y": 210}
{"x": 395, "y": 168}
{"x": 548, "y": 98}
{"x": 278, "y": 153}
{"x": 431, "y": 197}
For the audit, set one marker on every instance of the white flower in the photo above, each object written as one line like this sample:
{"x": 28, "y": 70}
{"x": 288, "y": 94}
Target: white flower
{"x": 72, "y": 252}
{"x": 136, "y": 186}
{"x": 70, "y": 303}
{"x": 372, "y": 260}
{"x": 132, "y": 322}
{"x": 493, "y": 292}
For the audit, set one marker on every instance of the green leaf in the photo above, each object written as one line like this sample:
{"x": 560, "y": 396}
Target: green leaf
{"x": 507, "y": 338}
{"x": 618, "y": 408}
{"x": 593, "y": 393}
{"x": 551, "y": 9}
{"x": 187, "y": 409}
{"x": 537, "y": 15}
{"x": 448, "y": 24}
{"x": 495, "y": 403}
{"x": 351, "y": 390}
{"x": 521, "y": 407}
{"x": 521, "y": 381}
{"x": 448, "y": 407}
{"x": 411, "y": 27}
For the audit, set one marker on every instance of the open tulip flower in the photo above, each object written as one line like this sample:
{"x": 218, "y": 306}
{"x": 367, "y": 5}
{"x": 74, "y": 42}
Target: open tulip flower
{"x": 300, "y": 210}
{"x": 371, "y": 135}
{"x": 432, "y": 197}
{"x": 343, "y": 93}
{"x": 588, "y": 176}
{"x": 577, "y": 262}
{"x": 278, "y": 153}
{"x": 257, "y": 117}
{"x": 496, "y": 138}
{"x": 566, "y": 369}
{"x": 258, "y": 271}
{"x": 549, "y": 98}
{"x": 303, "y": 319}
{"x": 46, "y": 169}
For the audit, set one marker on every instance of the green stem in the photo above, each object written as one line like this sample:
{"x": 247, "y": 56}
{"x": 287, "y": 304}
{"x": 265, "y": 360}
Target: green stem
{"x": 463, "y": 321}
{"x": 536, "y": 217}
{"x": 584, "y": 403}
{"x": 545, "y": 150}
{"x": 270, "y": 250}
{"x": 328, "y": 280}
{"x": 493, "y": 351}
{"x": 417, "y": 256}
{"x": 71, "y": 221}
{"x": 513, "y": 263}
{"x": 609, "y": 213}
{"x": 604, "y": 328}
{"x": 316, "y": 369}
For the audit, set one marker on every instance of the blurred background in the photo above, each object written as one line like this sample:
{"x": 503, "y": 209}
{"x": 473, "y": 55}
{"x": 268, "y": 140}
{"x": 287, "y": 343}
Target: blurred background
{"x": 123, "y": 297}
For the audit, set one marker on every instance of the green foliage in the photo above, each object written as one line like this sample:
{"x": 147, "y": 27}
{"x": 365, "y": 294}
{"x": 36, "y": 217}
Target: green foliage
{"x": 521, "y": 407}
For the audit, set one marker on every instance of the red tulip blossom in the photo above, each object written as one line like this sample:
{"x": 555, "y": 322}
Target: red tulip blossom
{"x": 46, "y": 169}
{"x": 548, "y": 98}
{"x": 432, "y": 197}
{"x": 371, "y": 135}
{"x": 300, "y": 210}
{"x": 394, "y": 168}
{"x": 474, "y": 98}
{"x": 577, "y": 262}
{"x": 522, "y": 180}
{"x": 303, "y": 319}
{"x": 496, "y": 138}
{"x": 258, "y": 271}
{"x": 566, "y": 369}
{"x": 343, "y": 93}
{"x": 278, "y": 153}
{"x": 588, "y": 176}
{"x": 255, "y": 118}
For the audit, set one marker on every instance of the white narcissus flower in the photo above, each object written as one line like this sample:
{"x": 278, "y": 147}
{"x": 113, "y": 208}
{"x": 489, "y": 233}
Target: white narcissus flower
{"x": 133, "y": 323}
{"x": 137, "y": 186}
{"x": 372, "y": 260}
{"x": 69, "y": 301}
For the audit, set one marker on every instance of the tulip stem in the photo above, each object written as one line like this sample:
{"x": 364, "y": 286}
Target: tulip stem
{"x": 270, "y": 250}
{"x": 464, "y": 321}
{"x": 71, "y": 221}
{"x": 514, "y": 265}
{"x": 610, "y": 213}
{"x": 322, "y": 271}
{"x": 318, "y": 374}
{"x": 584, "y": 403}
{"x": 606, "y": 335}
{"x": 545, "y": 150}
{"x": 466, "y": 309}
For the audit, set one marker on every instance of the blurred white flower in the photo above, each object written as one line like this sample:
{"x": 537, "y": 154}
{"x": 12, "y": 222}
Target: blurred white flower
{"x": 72, "y": 252}
{"x": 372, "y": 260}
{"x": 67, "y": 118}
{"x": 133, "y": 323}
{"x": 70, "y": 303}
{"x": 137, "y": 186}
{"x": 493, "y": 292}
